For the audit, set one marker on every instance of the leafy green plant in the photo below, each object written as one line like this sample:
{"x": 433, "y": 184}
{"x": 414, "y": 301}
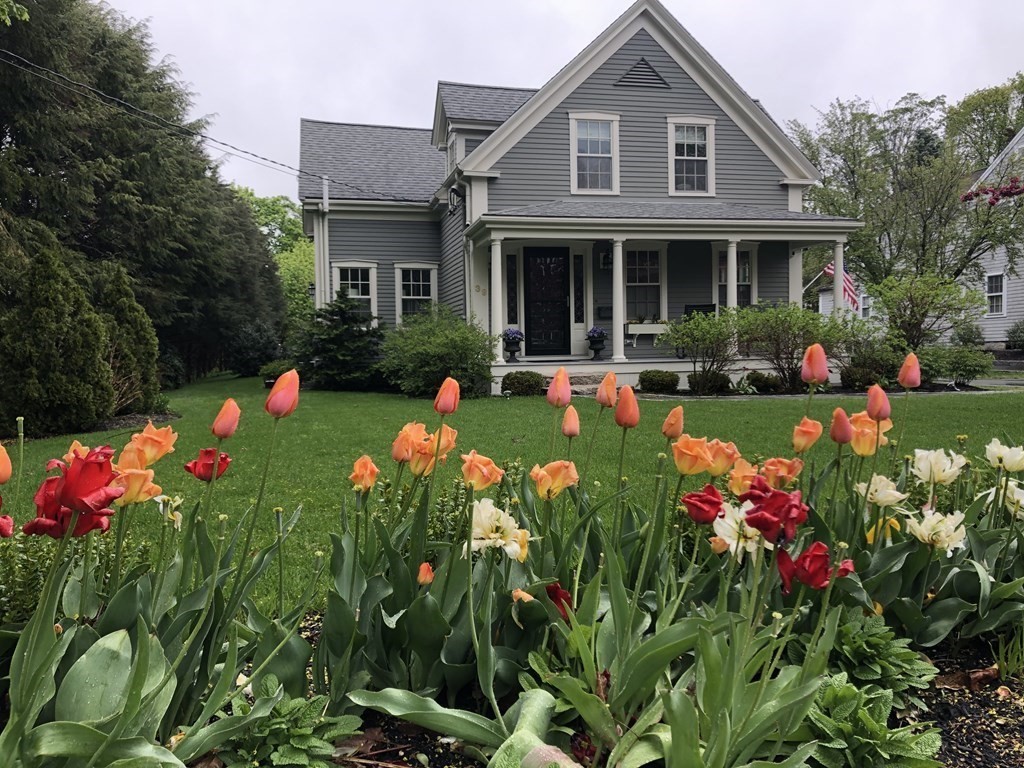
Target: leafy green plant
{"x": 965, "y": 364}
{"x": 659, "y": 382}
{"x": 919, "y": 309}
{"x": 968, "y": 334}
{"x": 852, "y": 729}
{"x": 1015, "y": 336}
{"x": 297, "y": 733}
{"x": 341, "y": 348}
{"x": 764, "y": 383}
{"x": 275, "y": 368}
{"x": 428, "y": 347}
{"x": 523, "y": 383}
{"x": 708, "y": 383}
{"x": 1009, "y": 652}
{"x": 868, "y": 357}
{"x": 707, "y": 339}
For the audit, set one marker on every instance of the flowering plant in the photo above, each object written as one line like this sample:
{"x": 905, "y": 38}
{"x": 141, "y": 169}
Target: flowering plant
{"x": 513, "y": 336}
{"x": 597, "y": 333}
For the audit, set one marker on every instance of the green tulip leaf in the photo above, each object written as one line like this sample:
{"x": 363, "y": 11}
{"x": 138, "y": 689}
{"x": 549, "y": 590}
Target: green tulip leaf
{"x": 76, "y": 740}
{"x": 95, "y": 688}
{"x": 427, "y": 713}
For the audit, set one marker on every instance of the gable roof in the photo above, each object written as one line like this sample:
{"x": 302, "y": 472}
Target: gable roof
{"x": 368, "y": 162}
{"x": 692, "y": 57}
{"x": 1016, "y": 144}
{"x": 487, "y": 103}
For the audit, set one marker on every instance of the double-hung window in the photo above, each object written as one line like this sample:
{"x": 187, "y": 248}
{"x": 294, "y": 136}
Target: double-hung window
{"x": 594, "y": 152}
{"x": 415, "y": 289}
{"x": 358, "y": 281}
{"x": 691, "y": 155}
{"x": 643, "y": 285}
{"x": 995, "y": 293}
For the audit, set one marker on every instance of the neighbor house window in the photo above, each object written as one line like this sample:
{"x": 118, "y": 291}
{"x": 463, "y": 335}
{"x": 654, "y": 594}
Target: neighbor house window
{"x": 744, "y": 278}
{"x": 595, "y": 153}
{"x": 865, "y": 306}
{"x": 995, "y": 292}
{"x": 643, "y": 285}
{"x": 415, "y": 289}
{"x": 691, "y": 155}
{"x": 357, "y": 281}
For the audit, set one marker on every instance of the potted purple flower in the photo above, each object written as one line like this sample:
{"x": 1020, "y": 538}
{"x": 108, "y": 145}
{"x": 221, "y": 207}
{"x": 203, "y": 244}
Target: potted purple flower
{"x": 596, "y": 337}
{"x": 513, "y": 339}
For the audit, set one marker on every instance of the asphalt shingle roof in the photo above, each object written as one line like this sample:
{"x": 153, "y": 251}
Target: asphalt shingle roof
{"x": 644, "y": 209}
{"x": 485, "y": 103}
{"x": 369, "y": 162}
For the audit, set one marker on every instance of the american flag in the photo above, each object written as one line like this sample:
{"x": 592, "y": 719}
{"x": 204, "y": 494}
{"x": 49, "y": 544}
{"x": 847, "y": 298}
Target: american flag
{"x": 849, "y": 289}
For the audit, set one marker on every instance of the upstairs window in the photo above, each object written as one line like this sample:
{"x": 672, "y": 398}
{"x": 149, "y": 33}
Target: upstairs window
{"x": 995, "y": 293}
{"x": 595, "y": 153}
{"x": 691, "y": 155}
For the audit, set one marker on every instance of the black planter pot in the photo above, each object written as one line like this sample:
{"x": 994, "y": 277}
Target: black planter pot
{"x": 512, "y": 348}
{"x": 596, "y": 346}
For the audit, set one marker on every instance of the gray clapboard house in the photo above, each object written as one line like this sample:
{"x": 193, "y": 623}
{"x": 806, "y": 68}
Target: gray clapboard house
{"x": 639, "y": 184}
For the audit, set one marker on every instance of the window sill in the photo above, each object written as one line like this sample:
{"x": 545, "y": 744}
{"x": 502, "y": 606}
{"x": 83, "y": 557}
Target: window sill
{"x": 678, "y": 193}
{"x": 595, "y": 192}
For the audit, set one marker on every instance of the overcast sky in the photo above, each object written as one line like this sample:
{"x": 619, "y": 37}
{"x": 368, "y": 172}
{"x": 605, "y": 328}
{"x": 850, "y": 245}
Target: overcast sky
{"x": 256, "y": 67}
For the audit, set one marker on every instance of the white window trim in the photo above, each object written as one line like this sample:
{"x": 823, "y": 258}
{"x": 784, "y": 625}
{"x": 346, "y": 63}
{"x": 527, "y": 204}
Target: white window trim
{"x": 399, "y": 266}
{"x": 1002, "y": 294}
{"x": 662, "y": 249}
{"x": 611, "y": 117}
{"x": 721, "y": 247}
{"x": 709, "y": 123}
{"x": 337, "y": 266}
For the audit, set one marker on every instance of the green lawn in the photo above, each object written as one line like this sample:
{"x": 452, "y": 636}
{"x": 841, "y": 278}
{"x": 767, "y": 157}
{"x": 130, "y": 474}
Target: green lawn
{"x": 318, "y": 443}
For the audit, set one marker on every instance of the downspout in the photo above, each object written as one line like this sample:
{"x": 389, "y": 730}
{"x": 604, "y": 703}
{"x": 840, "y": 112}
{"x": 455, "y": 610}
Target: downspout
{"x": 324, "y": 261}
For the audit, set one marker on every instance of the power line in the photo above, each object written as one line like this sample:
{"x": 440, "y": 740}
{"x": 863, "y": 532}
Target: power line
{"x": 158, "y": 121}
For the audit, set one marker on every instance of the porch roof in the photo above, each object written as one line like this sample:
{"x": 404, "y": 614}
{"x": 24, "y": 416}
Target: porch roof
{"x": 665, "y": 211}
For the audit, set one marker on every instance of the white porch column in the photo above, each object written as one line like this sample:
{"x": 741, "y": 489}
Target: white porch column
{"x": 495, "y": 291}
{"x": 838, "y": 300}
{"x": 796, "y": 276}
{"x": 731, "y": 274}
{"x": 618, "y": 304}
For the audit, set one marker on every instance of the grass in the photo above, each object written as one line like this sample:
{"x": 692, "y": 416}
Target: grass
{"x": 318, "y": 443}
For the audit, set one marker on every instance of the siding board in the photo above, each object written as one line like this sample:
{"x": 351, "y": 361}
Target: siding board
{"x": 451, "y": 276}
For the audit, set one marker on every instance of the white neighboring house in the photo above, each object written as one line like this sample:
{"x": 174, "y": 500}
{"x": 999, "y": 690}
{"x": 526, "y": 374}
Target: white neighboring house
{"x": 826, "y": 302}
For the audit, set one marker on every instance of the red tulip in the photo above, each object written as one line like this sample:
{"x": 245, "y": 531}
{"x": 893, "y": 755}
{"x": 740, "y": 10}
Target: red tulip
{"x": 6, "y": 526}
{"x": 812, "y": 567}
{"x": 202, "y": 468}
{"x": 703, "y": 506}
{"x": 815, "y": 365}
{"x": 83, "y": 486}
{"x": 878, "y": 403}
{"x": 226, "y": 423}
{"x": 841, "y": 430}
{"x": 910, "y": 373}
{"x": 627, "y": 412}
{"x": 447, "y": 400}
{"x": 775, "y": 513}
{"x": 284, "y": 397}
{"x": 561, "y": 598}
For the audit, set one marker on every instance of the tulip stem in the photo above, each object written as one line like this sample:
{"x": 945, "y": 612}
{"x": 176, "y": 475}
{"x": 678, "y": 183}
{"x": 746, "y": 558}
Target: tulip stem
{"x": 617, "y": 530}
{"x": 810, "y": 397}
{"x": 903, "y": 426}
{"x": 279, "y": 514}
{"x": 82, "y": 601}
{"x": 21, "y": 462}
{"x": 554, "y": 431}
{"x": 590, "y": 448}
{"x": 396, "y": 488}
{"x": 115, "y": 576}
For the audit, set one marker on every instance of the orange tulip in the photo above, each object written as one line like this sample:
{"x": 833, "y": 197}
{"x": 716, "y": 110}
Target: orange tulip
{"x": 806, "y": 434}
{"x": 479, "y": 472}
{"x": 521, "y": 595}
{"x": 426, "y": 575}
{"x": 781, "y": 472}
{"x": 691, "y": 455}
{"x": 155, "y": 443}
{"x": 673, "y": 426}
{"x": 878, "y": 403}
{"x": 138, "y": 486}
{"x": 741, "y": 476}
{"x": 284, "y": 397}
{"x": 841, "y": 431}
{"x": 408, "y": 441}
{"x": 132, "y": 457}
{"x": 718, "y": 545}
{"x": 75, "y": 451}
{"x": 553, "y": 478}
{"x": 910, "y": 372}
{"x": 607, "y": 393}
{"x": 868, "y": 434}
{"x": 723, "y": 456}
{"x": 5, "y": 466}
{"x": 559, "y": 391}
{"x": 429, "y": 452}
{"x": 571, "y": 422}
{"x": 627, "y": 412}
{"x": 815, "y": 366}
{"x": 226, "y": 423}
{"x": 364, "y": 474}
{"x": 447, "y": 400}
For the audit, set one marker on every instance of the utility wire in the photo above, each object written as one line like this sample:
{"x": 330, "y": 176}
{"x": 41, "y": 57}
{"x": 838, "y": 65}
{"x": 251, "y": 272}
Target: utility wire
{"x": 113, "y": 102}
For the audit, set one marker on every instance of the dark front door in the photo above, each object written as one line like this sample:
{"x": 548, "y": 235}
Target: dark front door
{"x": 546, "y": 297}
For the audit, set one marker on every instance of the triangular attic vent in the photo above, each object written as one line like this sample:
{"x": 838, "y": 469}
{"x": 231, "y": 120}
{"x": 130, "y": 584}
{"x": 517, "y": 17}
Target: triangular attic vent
{"x": 643, "y": 75}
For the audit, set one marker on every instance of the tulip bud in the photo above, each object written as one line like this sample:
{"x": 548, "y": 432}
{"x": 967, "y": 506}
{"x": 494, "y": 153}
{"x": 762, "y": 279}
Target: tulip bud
{"x": 841, "y": 430}
{"x": 284, "y": 397}
{"x": 673, "y": 426}
{"x": 447, "y": 400}
{"x": 815, "y": 365}
{"x": 910, "y": 373}
{"x": 627, "y": 412}
{"x": 226, "y": 423}
{"x": 571, "y": 422}
{"x": 559, "y": 391}
{"x": 878, "y": 403}
{"x": 521, "y": 595}
{"x": 607, "y": 394}
{"x": 426, "y": 575}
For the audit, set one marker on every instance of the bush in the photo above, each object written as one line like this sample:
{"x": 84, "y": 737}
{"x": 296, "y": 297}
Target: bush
{"x": 426, "y": 348}
{"x": 868, "y": 357}
{"x": 53, "y": 366}
{"x": 920, "y": 309}
{"x": 659, "y": 382}
{"x": 764, "y": 383}
{"x": 933, "y": 364}
{"x": 341, "y": 349}
{"x": 968, "y": 335}
{"x": 523, "y": 383}
{"x": 708, "y": 340}
{"x": 1015, "y": 336}
{"x": 709, "y": 383}
{"x": 275, "y": 368}
{"x": 170, "y": 370}
{"x": 965, "y": 364}
{"x": 253, "y": 345}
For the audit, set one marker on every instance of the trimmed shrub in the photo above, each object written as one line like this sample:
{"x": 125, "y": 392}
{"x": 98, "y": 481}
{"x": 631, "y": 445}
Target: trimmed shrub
{"x": 426, "y": 348}
{"x": 933, "y": 364}
{"x": 764, "y": 383}
{"x": 53, "y": 366}
{"x": 1015, "y": 336}
{"x": 523, "y": 383}
{"x": 968, "y": 335}
{"x": 342, "y": 348}
{"x": 708, "y": 340}
{"x": 869, "y": 358}
{"x": 709, "y": 383}
{"x": 965, "y": 364}
{"x": 275, "y": 368}
{"x": 659, "y": 382}
{"x": 253, "y": 345}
